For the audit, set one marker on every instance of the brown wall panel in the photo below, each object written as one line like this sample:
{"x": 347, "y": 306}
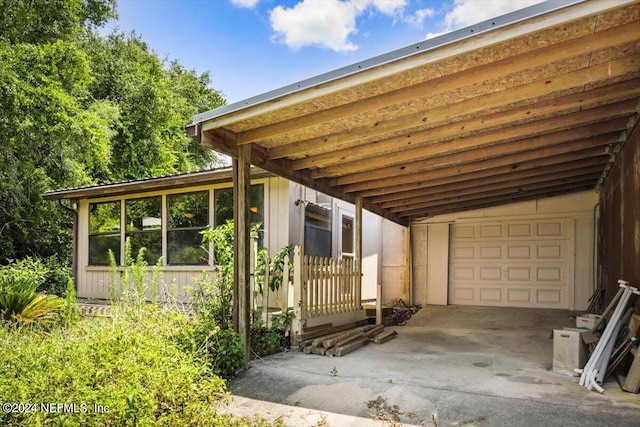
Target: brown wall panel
{"x": 620, "y": 220}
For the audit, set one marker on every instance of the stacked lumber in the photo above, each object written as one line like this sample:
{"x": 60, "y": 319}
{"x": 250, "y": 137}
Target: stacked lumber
{"x": 340, "y": 340}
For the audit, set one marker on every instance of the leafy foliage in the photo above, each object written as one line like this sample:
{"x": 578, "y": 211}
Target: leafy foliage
{"x": 276, "y": 267}
{"x": 38, "y": 21}
{"x": 214, "y": 297}
{"x": 21, "y": 303}
{"x": 142, "y": 378}
{"x": 211, "y": 335}
{"x": 78, "y": 108}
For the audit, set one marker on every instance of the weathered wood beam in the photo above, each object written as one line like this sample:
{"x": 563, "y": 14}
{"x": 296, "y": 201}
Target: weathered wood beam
{"x": 498, "y": 200}
{"x": 483, "y": 168}
{"x": 380, "y": 195}
{"x": 395, "y": 195}
{"x": 492, "y": 128}
{"x": 496, "y": 190}
{"x": 242, "y": 244}
{"x": 416, "y": 163}
{"x": 517, "y": 153}
{"x": 281, "y": 168}
{"x": 527, "y": 60}
{"x": 473, "y": 187}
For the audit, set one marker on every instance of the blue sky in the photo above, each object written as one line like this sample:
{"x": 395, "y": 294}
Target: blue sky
{"x": 253, "y": 46}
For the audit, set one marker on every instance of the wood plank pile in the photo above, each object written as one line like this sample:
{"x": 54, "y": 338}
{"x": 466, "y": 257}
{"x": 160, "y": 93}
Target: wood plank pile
{"x": 328, "y": 340}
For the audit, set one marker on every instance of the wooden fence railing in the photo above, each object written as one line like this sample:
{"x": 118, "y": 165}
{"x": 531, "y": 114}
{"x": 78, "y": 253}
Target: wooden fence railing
{"x": 324, "y": 286}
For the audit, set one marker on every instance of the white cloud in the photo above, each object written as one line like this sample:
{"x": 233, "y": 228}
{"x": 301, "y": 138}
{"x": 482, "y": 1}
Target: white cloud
{"x": 468, "y": 12}
{"x": 326, "y": 23}
{"x": 247, "y": 4}
{"x": 419, "y": 16}
{"x": 388, "y": 7}
{"x": 316, "y": 23}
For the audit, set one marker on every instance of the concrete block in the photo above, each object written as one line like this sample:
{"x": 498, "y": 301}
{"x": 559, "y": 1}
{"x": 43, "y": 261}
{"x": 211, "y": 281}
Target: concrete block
{"x": 588, "y": 321}
{"x": 570, "y": 349}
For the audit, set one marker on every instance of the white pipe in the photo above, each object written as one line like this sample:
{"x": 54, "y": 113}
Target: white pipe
{"x": 595, "y": 384}
{"x": 606, "y": 355}
{"x": 590, "y": 376}
{"x": 600, "y": 358}
{"x": 595, "y": 356}
{"x": 611, "y": 304}
{"x": 608, "y": 332}
{"x": 604, "y": 360}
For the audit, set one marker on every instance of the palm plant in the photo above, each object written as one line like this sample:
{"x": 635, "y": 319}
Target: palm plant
{"x": 21, "y": 303}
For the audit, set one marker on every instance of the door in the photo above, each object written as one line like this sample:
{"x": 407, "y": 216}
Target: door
{"x": 525, "y": 263}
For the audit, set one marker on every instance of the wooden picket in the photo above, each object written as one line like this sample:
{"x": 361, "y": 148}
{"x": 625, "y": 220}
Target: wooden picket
{"x": 327, "y": 285}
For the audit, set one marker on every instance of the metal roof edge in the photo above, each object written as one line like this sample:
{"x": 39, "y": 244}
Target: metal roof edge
{"x": 407, "y": 51}
{"x": 163, "y": 182}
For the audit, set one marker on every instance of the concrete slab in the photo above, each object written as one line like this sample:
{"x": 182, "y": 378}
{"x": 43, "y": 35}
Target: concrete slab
{"x": 468, "y": 365}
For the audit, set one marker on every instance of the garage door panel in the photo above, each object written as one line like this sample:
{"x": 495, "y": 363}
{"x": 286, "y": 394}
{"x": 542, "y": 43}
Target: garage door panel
{"x": 550, "y": 229}
{"x": 490, "y": 273}
{"x": 491, "y": 252}
{"x": 490, "y": 295}
{"x": 519, "y": 296}
{"x": 464, "y": 232}
{"x": 463, "y": 252}
{"x": 520, "y": 230}
{"x": 465, "y": 295}
{"x": 549, "y": 251}
{"x": 512, "y": 263}
{"x": 549, "y": 274}
{"x": 519, "y": 251}
{"x": 548, "y": 296}
{"x": 491, "y": 230}
{"x": 463, "y": 273}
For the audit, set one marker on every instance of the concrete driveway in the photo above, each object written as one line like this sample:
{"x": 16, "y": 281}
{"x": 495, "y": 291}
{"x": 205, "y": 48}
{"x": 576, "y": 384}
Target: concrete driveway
{"x": 462, "y": 365}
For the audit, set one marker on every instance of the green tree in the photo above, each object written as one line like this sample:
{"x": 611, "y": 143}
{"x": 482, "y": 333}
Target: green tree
{"x": 41, "y": 21}
{"x": 78, "y": 108}
{"x": 155, "y": 101}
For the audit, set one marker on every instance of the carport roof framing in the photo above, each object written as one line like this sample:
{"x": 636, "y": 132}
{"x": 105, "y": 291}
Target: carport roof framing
{"x": 531, "y": 104}
{"x": 388, "y": 57}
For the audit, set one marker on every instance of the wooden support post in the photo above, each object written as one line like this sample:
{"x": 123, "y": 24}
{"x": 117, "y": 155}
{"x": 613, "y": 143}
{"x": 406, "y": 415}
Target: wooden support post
{"x": 236, "y": 290}
{"x": 254, "y": 262}
{"x": 358, "y": 260}
{"x": 379, "y": 305}
{"x": 298, "y": 295}
{"x": 408, "y": 285}
{"x": 242, "y": 244}
{"x": 265, "y": 293}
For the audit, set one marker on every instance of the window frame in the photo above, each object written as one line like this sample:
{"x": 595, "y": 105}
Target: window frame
{"x": 90, "y": 233}
{"x": 169, "y": 229}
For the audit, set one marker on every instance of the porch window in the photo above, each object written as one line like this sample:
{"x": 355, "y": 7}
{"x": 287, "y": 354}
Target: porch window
{"x": 104, "y": 232}
{"x": 224, "y": 205}
{"x": 317, "y": 231}
{"x": 144, "y": 226}
{"x": 188, "y": 215}
{"x": 347, "y": 249}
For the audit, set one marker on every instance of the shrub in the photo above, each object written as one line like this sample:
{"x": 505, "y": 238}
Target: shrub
{"x": 210, "y": 334}
{"x": 56, "y": 277}
{"x": 129, "y": 365}
{"x": 70, "y": 313}
{"x": 50, "y": 274}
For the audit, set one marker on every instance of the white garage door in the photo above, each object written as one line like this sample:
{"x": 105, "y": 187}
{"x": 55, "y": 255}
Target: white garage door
{"x": 512, "y": 263}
